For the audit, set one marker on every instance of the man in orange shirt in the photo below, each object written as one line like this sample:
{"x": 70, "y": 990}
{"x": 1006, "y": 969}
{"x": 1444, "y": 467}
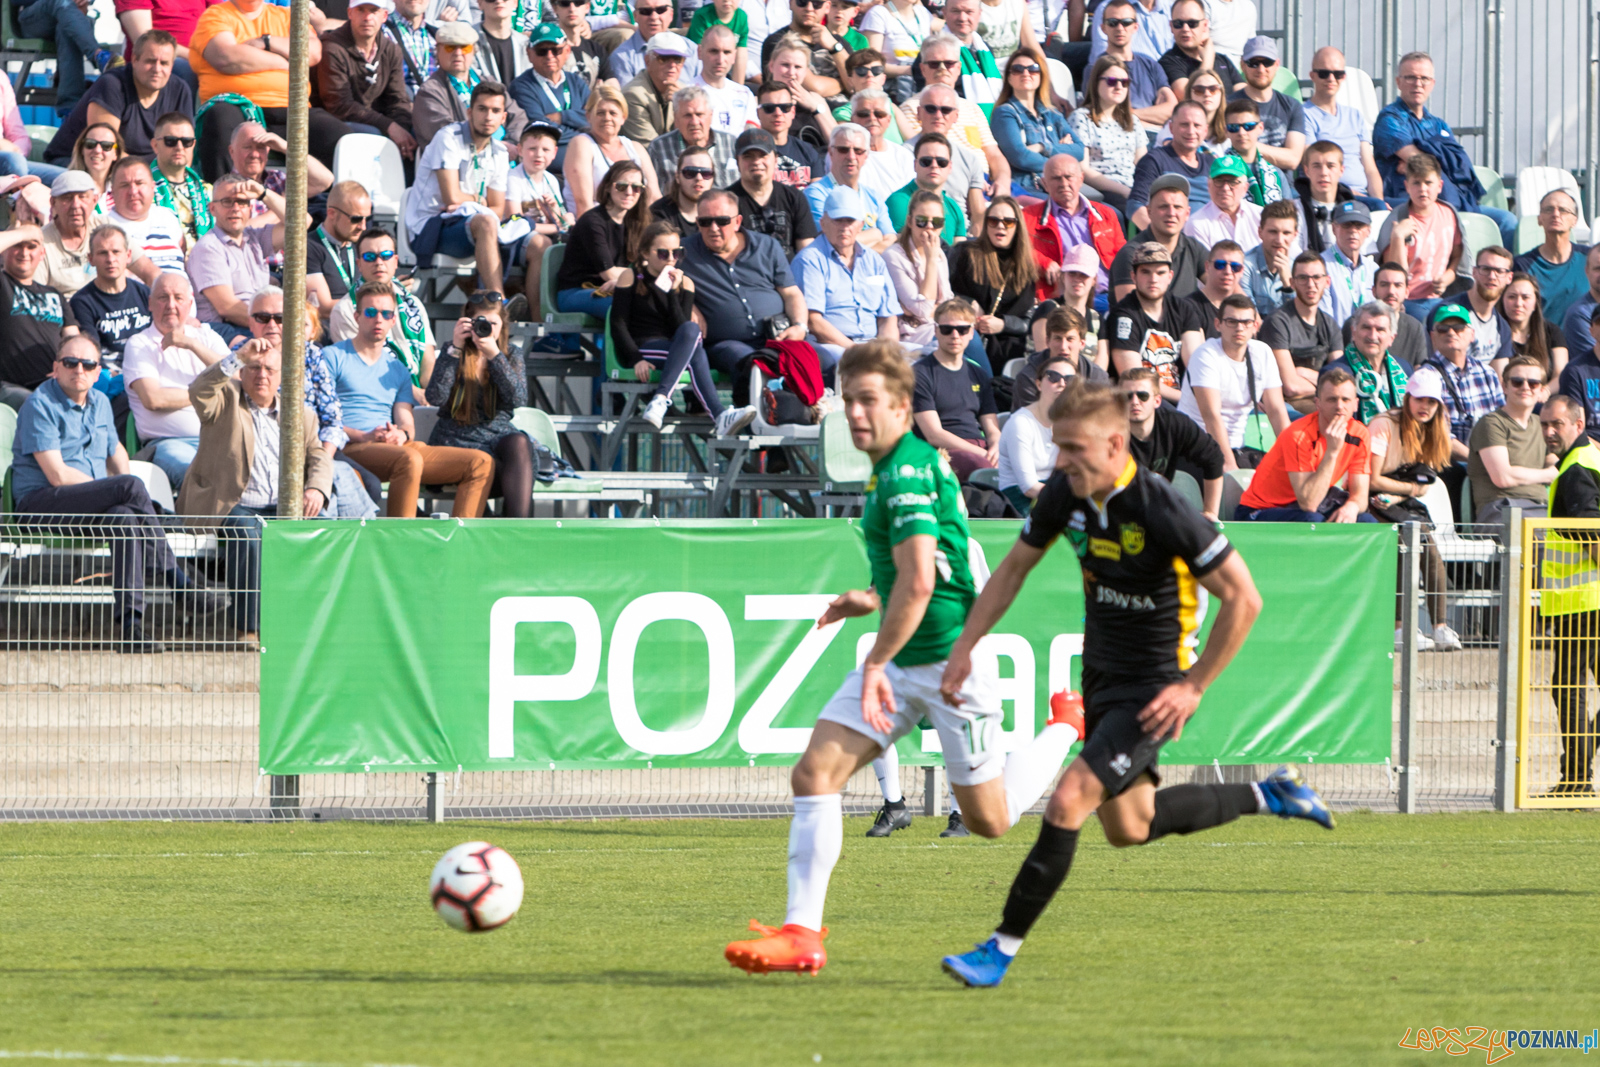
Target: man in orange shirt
{"x": 240, "y": 52}
{"x": 1297, "y": 481}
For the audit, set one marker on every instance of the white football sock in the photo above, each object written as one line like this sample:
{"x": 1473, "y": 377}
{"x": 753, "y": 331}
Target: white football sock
{"x": 955, "y": 806}
{"x": 815, "y": 839}
{"x": 1007, "y": 943}
{"x": 887, "y": 768}
{"x": 1029, "y": 771}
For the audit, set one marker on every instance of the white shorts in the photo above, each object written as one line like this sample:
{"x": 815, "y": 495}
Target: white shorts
{"x": 970, "y": 736}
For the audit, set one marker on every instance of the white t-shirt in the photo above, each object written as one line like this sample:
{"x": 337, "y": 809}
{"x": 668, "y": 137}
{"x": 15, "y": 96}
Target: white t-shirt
{"x": 888, "y": 171}
{"x": 1233, "y": 22}
{"x": 452, "y": 147}
{"x": 903, "y": 33}
{"x": 1210, "y": 368}
{"x": 171, "y": 368}
{"x": 1027, "y": 454}
{"x": 733, "y": 106}
{"x": 158, "y": 235}
{"x": 521, "y": 188}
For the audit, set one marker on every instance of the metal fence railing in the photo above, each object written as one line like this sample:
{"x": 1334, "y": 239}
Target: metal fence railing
{"x": 95, "y": 726}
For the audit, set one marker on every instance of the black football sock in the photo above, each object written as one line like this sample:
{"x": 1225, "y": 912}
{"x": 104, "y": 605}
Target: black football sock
{"x": 1041, "y": 875}
{"x": 1186, "y": 809}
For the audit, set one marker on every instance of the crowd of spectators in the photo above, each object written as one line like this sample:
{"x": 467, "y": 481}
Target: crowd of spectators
{"x": 805, "y": 175}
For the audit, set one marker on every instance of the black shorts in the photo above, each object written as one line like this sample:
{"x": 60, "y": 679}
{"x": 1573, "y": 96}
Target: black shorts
{"x": 1117, "y": 749}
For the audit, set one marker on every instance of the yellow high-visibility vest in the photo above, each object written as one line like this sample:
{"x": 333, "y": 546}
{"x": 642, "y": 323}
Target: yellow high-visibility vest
{"x": 1570, "y": 577}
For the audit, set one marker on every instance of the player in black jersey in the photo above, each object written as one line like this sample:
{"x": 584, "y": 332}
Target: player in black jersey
{"x": 1149, "y": 559}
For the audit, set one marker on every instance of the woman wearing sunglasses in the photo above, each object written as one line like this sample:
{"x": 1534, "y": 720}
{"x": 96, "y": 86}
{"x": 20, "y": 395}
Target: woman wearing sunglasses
{"x": 1027, "y": 451}
{"x": 1112, "y": 137}
{"x": 918, "y": 268}
{"x": 997, "y": 272}
{"x": 590, "y": 156}
{"x": 652, "y": 331}
{"x": 97, "y": 147}
{"x": 603, "y": 242}
{"x": 694, "y": 174}
{"x": 1028, "y": 128}
{"x": 477, "y": 386}
{"x": 1205, "y": 88}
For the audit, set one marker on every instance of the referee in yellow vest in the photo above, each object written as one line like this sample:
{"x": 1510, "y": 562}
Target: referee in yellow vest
{"x": 1570, "y": 588}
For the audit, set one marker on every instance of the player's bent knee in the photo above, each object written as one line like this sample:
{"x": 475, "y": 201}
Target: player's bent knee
{"x": 1124, "y": 836}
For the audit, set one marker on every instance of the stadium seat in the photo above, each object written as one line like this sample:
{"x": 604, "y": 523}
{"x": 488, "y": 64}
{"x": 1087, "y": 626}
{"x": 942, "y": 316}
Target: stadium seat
{"x": 1532, "y": 185}
{"x": 155, "y": 483}
{"x": 1530, "y": 234}
{"x": 1188, "y": 488}
{"x": 845, "y": 468}
{"x": 1258, "y": 432}
{"x": 1062, "y": 86}
{"x": 762, "y": 428}
{"x": 985, "y": 478}
{"x": 424, "y": 418}
{"x": 537, "y": 425}
{"x": 1359, "y": 92}
{"x": 1234, "y": 483}
{"x": 38, "y": 138}
{"x": 547, "y": 291}
{"x": 1013, "y": 367}
{"x": 25, "y": 51}
{"x": 1288, "y": 83}
{"x": 1495, "y": 186}
{"x": 1480, "y": 232}
{"x": 374, "y": 162}
{"x": 8, "y": 433}
{"x": 1452, "y": 546}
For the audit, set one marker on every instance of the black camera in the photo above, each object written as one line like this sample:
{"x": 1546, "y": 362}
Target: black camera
{"x": 482, "y": 327}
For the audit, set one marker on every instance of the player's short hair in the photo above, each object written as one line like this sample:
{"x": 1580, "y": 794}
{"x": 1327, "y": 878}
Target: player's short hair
{"x": 769, "y": 87}
{"x": 1225, "y": 245}
{"x": 863, "y": 58}
{"x": 1304, "y": 258}
{"x": 486, "y": 88}
{"x": 1238, "y": 302}
{"x": 1242, "y": 106}
{"x": 173, "y": 118}
{"x": 882, "y": 358}
{"x": 959, "y": 306}
{"x": 1281, "y": 209}
{"x": 1421, "y": 165}
{"x": 1572, "y": 407}
{"x": 375, "y": 233}
{"x": 1526, "y": 361}
{"x": 1325, "y": 148}
{"x": 1140, "y": 374}
{"x": 98, "y": 236}
{"x": 1334, "y": 376}
{"x": 1392, "y": 266}
{"x": 1493, "y": 250}
{"x": 371, "y": 289}
{"x": 154, "y": 39}
{"x": 1063, "y": 321}
{"x": 129, "y": 162}
{"x": 1084, "y": 401}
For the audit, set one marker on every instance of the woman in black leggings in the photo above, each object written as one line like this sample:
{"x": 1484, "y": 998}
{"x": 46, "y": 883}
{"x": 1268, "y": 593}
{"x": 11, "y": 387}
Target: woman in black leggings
{"x": 477, "y": 385}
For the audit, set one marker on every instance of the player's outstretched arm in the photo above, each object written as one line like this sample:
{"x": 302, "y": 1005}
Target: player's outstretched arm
{"x": 991, "y": 606}
{"x": 908, "y": 602}
{"x": 1233, "y": 587}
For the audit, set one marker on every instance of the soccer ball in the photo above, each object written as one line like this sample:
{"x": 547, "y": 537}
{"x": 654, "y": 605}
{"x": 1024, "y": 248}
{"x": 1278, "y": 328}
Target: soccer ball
{"x": 476, "y": 887}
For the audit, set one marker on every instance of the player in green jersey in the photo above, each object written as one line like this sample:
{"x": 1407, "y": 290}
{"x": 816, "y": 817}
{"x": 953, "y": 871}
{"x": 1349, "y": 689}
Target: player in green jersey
{"x": 916, "y": 533}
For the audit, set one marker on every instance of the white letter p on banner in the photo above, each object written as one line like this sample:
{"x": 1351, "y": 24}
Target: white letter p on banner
{"x": 506, "y": 686}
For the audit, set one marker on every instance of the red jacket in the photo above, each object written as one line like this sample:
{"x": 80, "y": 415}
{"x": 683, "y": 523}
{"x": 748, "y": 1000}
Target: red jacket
{"x": 1105, "y": 232}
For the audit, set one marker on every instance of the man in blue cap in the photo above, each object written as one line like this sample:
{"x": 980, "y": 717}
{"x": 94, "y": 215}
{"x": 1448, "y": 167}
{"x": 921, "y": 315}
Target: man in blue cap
{"x": 846, "y": 285}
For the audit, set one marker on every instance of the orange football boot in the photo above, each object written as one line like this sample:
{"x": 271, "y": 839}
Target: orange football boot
{"x": 792, "y": 948}
{"x": 1067, "y": 707}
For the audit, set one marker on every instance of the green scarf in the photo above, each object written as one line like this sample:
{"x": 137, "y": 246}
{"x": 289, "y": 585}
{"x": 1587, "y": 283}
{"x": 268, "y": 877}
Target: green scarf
{"x": 1370, "y": 389}
{"x": 252, "y": 113}
{"x": 194, "y": 187}
{"x": 409, "y": 350}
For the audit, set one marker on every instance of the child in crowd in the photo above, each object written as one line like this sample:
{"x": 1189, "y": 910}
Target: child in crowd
{"x": 535, "y": 194}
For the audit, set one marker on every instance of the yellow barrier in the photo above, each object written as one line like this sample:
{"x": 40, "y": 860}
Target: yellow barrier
{"x": 1559, "y": 662}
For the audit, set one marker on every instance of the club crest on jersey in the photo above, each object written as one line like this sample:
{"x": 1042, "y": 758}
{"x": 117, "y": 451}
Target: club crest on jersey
{"x": 1132, "y": 538}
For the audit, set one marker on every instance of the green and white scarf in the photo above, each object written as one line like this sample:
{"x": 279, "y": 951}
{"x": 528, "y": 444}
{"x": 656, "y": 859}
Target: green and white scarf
{"x": 1376, "y": 395}
{"x": 194, "y": 188}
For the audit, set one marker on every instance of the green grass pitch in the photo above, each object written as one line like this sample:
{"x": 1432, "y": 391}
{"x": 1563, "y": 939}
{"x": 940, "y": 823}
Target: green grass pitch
{"x": 1262, "y": 942}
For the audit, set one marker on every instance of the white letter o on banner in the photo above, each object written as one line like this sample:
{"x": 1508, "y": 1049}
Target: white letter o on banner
{"x": 703, "y": 612}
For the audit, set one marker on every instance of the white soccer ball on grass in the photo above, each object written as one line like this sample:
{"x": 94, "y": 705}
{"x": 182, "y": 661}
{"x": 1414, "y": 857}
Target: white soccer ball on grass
{"x": 476, "y": 887}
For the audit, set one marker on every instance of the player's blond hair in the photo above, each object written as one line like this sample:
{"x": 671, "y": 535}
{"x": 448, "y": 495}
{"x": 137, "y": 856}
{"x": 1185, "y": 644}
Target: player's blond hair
{"x": 1085, "y": 401}
{"x": 879, "y": 357}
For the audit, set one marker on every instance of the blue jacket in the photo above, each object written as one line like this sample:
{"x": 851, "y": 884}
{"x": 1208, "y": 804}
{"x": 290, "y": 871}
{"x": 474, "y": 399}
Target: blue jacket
{"x": 1397, "y": 127}
{"x": 1581, "y": 381}
{"x": 1015, "y": 129}
{"x": 537, "y": 100}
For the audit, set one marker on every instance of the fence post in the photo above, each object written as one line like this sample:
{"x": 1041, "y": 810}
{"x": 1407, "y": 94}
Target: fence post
{"x": 1291, "y": 35}
{"x": 932, "y": 791}
{"x": 1505, "y": 726}
{"x": 1410, "y": 543}
{"x": 1493, "y": 114}
{"x": 1389, "y": 35}
{"x": 435, "y": 797}
{"x": 285, "y": 796}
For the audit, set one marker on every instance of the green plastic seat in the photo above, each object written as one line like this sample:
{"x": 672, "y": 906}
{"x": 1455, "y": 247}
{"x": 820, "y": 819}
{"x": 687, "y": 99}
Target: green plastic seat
{"x": 547, "y": 290}
{"x": 536, "y": 423}
{"x": 1258, "y": 432}
{"x": 9, "y": 32}
{"x": 1288, "y": 83}
{"x": 1495, "y": 188}
{"x": 39, "y": 137}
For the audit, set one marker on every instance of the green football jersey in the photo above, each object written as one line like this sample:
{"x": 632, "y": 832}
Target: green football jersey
{"x": 913, "y": 491}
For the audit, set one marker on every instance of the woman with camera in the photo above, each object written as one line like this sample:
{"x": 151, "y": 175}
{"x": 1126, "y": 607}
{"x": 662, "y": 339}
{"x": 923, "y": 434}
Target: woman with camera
{"x": 651, "y": 329}
{"x": 477, "y": 385}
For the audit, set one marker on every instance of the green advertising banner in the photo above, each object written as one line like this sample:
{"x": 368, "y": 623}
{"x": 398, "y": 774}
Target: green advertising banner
{"x": 541, "y": 644}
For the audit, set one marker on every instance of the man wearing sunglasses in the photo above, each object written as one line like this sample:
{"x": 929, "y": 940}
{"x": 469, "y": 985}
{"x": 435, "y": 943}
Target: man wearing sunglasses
{"x": 1282, "y": 133}
{"x": 778, "y": 210}
{"x": 1266, "y": 184}
{"x": 1341, "y": 124}
{"x": 330, "y": 249}
{"x": 937, "y": 109}
{"x": 1118, "y": 29}
{"x": 361, "y": 78}
{"x": 179, "y": 187}
{"x": 953, "y": 406}
{"x": 447, "y": 93}
{"x": 1143, "y": 27}
{"x": 1473, "y": 389}
{"x": 650, "y": 95}
{"x": 848, "y": 148}
{"x": 129, "y": 99}
{"x": 411, "y": 341}
{"x": 70, "y": 461}
{"x": 627, "y": 60}
{"x": 798, "y": 162}
{"x": 944, "y": 58}
{"x": 932, "y": 162}
{"x": 1193, "y": 49}
{"x": 889, "y": 166}
{"x": 1223, "y": 277}
{"x": 845, "y": 283}
{"x": 547, "y": 92}
{"x": 692, "y": 127}
{"x": 1406, "y": 127}
{"x": 1166, "y": 442}
{"x": 1229, "y": 216}
{"x": 229, "y": 264}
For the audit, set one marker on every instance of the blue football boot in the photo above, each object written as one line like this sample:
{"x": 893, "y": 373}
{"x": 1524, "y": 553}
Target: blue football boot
{"x": 982, "y": 968}
{"x": 1290, "y": 798}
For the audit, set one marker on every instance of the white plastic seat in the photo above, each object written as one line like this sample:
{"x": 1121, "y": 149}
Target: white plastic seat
{"x": 1533, "y": 183}
{"x": 1359, "y": 92}
{"x": 374, "y": 162}
{"x": 155, "y": 483}
{"x": 1062, "y": 86}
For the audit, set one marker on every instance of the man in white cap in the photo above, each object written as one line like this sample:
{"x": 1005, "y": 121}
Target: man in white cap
{"x": 845, "y": 284}
{"x": 362, "y": 76}
{"x": 650, "y": 94}
{"x": 66, "y": 266}
{"x": 1283, "y": 121}
{"x": 447, "y": 92}
{"x": 626, "y": 62}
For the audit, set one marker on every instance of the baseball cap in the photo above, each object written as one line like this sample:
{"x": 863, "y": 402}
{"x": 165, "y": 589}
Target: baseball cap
{"x": 1081, "y": 259}
{"x": 843, "y": 203}
{"x": 71, "y": 182}
{"x": 1453, "y": 312}
{"x": 543, "y": 126}
{"x": 546, "y": 33}
{"x": 1260, "y": 46}
{"x": 1350, "y": 211}
{"x": 754, "y": 139}
{"x": 1426, "y": 384}
{"x": 381, "y": 5}
{"x": 1229, "y": 166}
{"x": 1176, "y": 183}
{"x": 669, "y": 44}
{"x": 456, "y": 33}
{"x": 1150, "y": 252}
